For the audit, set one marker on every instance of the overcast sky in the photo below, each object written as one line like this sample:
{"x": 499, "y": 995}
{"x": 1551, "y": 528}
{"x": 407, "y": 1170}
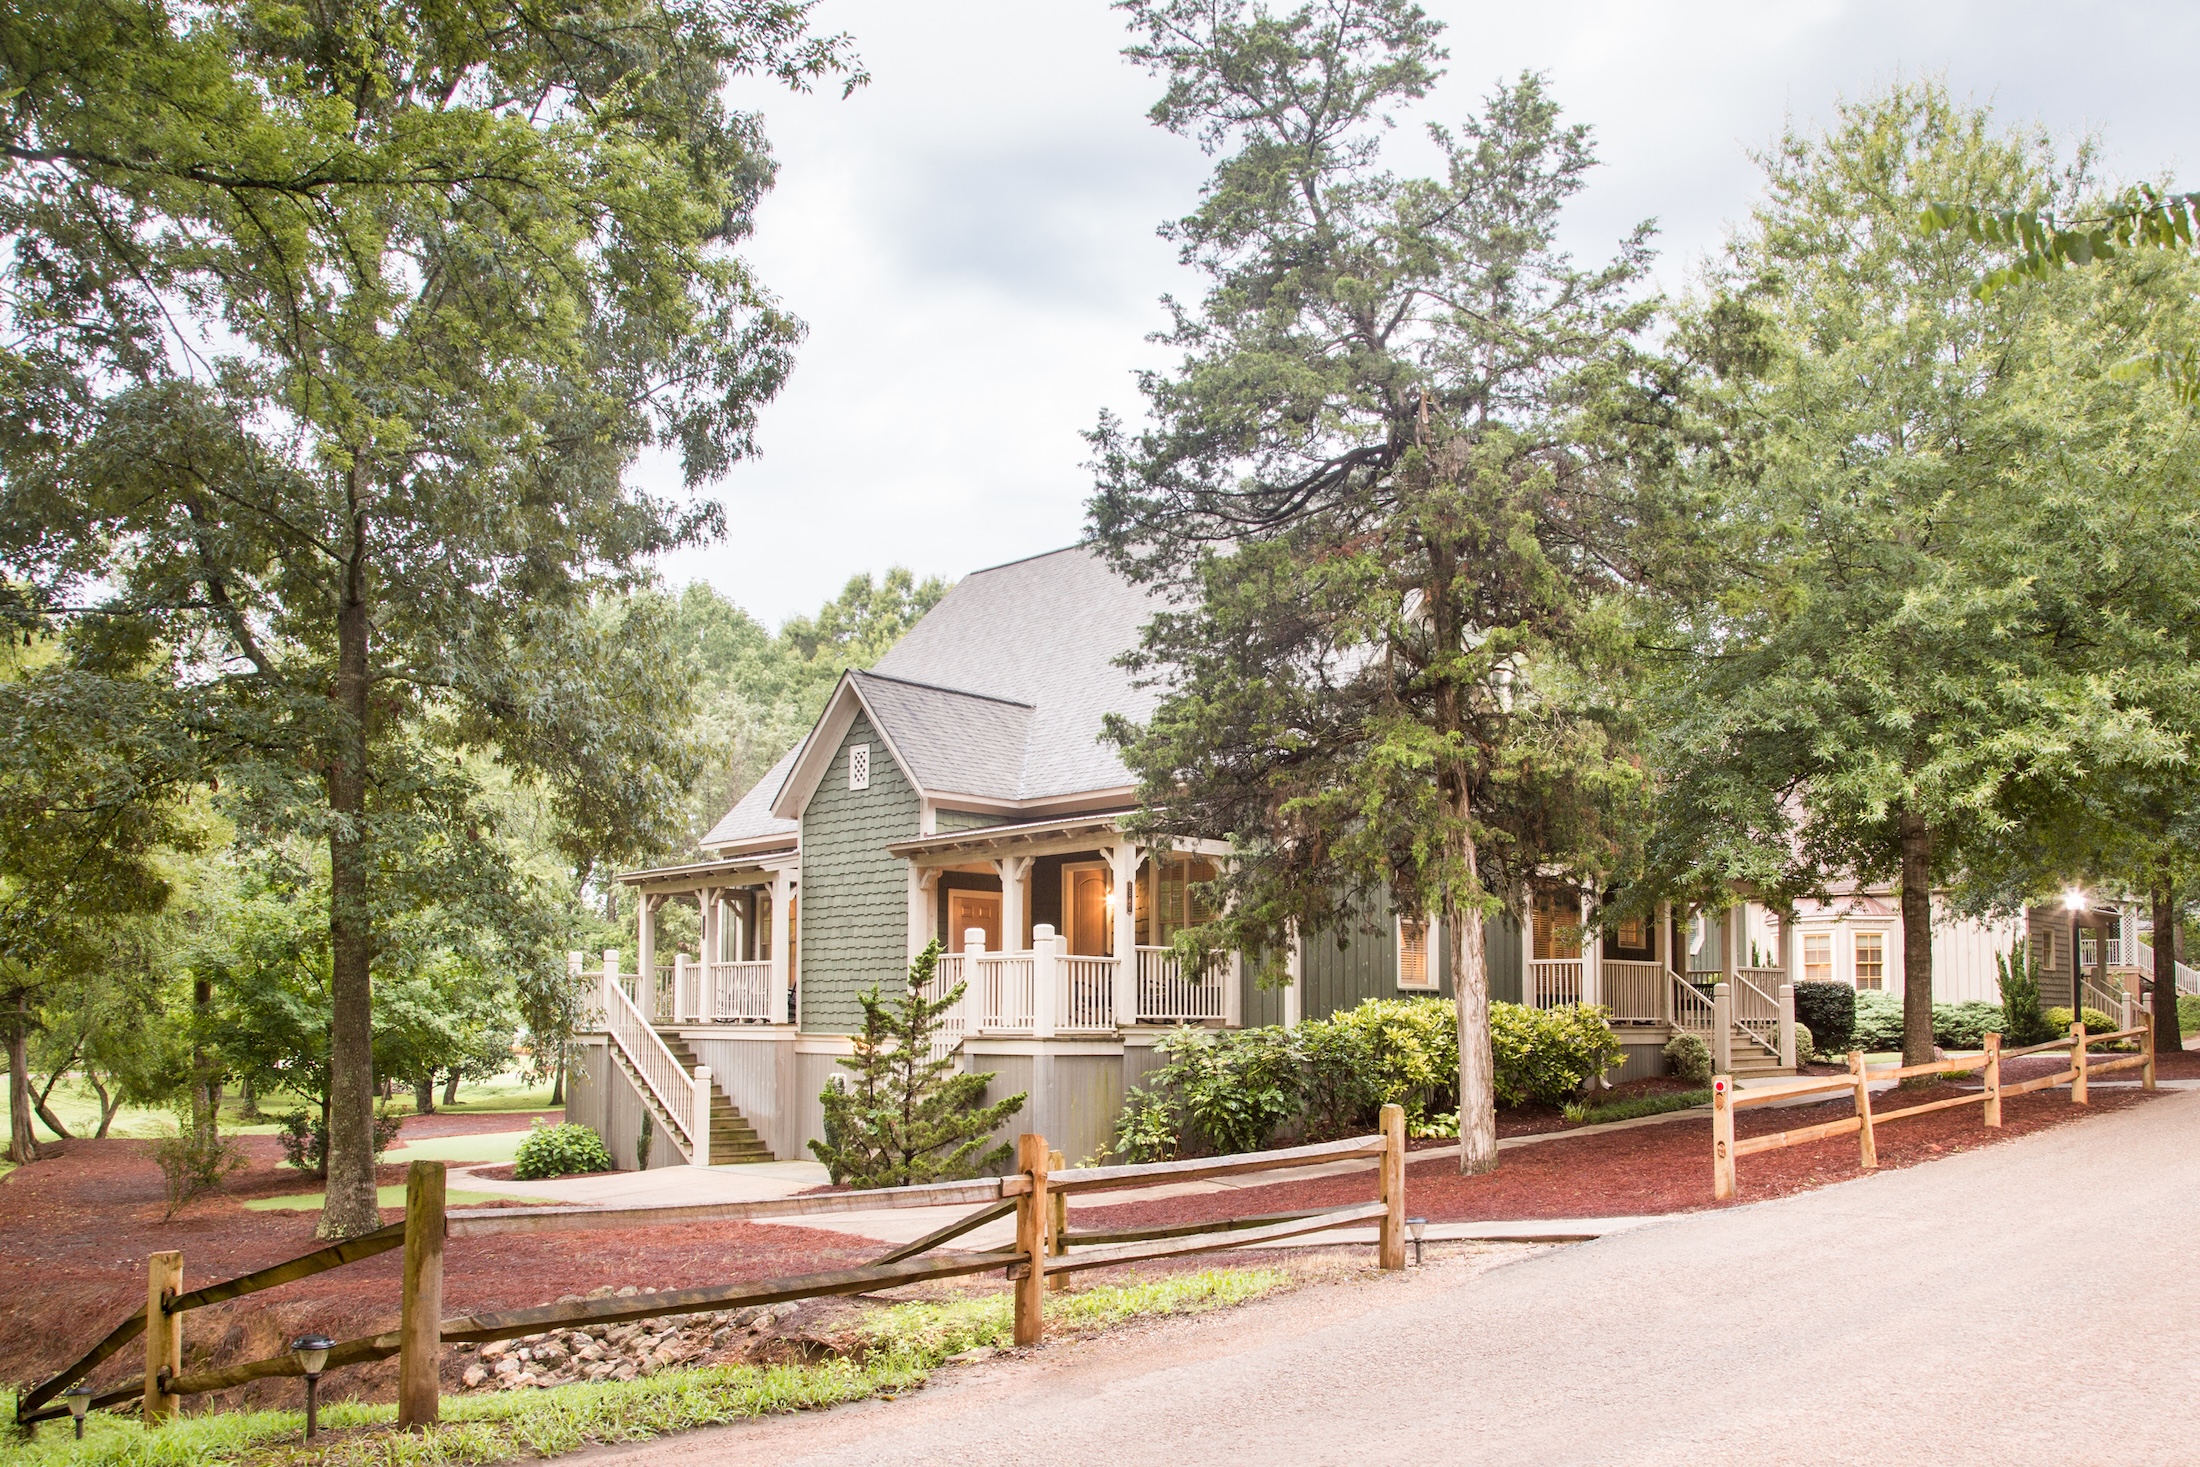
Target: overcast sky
{"x": 971, "y": 240}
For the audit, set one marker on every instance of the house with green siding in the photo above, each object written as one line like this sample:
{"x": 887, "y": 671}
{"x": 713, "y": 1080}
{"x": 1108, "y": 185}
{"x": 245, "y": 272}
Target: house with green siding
{"x": 961, "y": 790}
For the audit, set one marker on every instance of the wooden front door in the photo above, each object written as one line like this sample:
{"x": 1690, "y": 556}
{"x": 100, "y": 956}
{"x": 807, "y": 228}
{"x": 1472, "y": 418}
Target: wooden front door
{"x": 1085, "y": 914}
{"x": 968, "y": 909}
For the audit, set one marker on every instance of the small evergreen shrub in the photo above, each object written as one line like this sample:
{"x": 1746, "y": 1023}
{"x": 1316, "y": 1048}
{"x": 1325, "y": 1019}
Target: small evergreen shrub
{"x": 2022, "y": 1019}
{"x": 1806, "y": 1047}
{"x": 1688, "y": 1058}
{"x": 2188, "y": 1014}
{"x": 1547, "y": 1055}
{"x": 1829, "y": 1009}
{"x": 1966, "y": 1025}
{"x": 195, "y": 1161}
{"x": 1878, "y": 1022}
{"x": 559, "y": 1151}
{"x": 1388, "y": 1051}
{"x": 304, "y": 1138}
{"x": 1222, "y": 1092}
{"x": 645, "y": 1139}
{"x": 2096, "y": 1022}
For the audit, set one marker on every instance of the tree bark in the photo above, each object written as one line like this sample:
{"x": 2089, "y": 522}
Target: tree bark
{"x": 2167, "y": 1035}
{"x": 557, "y": 1086}
{"x": 350, "y": 1209}
{"x": 450, "y": 1088}
{"x": 424, "y": 1095}
{"x": 1917, "y": 938}
{"x": 22, "y": 1140}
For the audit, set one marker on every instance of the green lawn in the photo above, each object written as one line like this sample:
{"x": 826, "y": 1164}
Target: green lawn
{"x": 383, "y": 1197}
{"x": 904, "y": 1344}
{"x": 77, "y": 1107}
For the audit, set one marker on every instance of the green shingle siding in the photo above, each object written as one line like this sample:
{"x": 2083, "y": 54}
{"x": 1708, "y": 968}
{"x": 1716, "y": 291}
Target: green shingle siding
{"x": 854, "y": 906}
{"x": 1366, "y": 965}
{"x": 945, "y": 820}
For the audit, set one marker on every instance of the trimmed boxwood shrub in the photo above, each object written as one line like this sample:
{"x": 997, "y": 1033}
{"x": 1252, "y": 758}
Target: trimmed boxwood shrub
{"x": 1966, "y": 1025}
{"x": 559, "y": 1151}
{"x": 1828, "y": 1010}
{"x": 2096, "y": 1022}
{"x": 1688, "y": 1059}
{"x": 1878, "y": 1022}
{"x": 1806, "y": 1046}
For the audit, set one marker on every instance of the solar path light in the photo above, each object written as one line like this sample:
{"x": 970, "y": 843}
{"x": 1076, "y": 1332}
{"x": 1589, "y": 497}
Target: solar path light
{"x": 311, "y": 1353}
{"x": 79, "y": 1397}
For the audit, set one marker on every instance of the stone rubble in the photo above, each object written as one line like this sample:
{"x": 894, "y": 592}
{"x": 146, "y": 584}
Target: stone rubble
{"x": 615, "y": 1351}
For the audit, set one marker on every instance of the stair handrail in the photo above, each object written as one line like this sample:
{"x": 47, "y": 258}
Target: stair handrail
{"x": 1765, "y": 1013}
{"x": 2188, "y": 977}
{"x": 1692, "y": 1009}
{"x": 653, "y": 1062}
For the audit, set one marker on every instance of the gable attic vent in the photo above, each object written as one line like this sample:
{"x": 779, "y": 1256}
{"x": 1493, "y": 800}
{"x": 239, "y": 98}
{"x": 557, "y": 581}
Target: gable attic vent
{"x": 859, "y": 766}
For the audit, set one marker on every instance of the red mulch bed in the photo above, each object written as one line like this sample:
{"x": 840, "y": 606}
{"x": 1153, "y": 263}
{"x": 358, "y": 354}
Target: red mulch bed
{"x": 75, "y": 1230}
{"x": 1662, "y": 1168}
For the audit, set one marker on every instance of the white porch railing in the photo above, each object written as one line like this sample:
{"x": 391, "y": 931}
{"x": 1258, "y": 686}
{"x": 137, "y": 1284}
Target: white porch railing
{"x": 1692, "y": 1007}
{"x": 740, "y": 992}
{"x": 1633, "y": 991}
{"x": 954, "y": 1025}
{"x": 672, "y": 1088}
{"x": 1005, "y": 997}
{"x": 1088, "y": 995}
{"x": 1553, "y": 982}
{"x": 2188, "y": 978}
{"x": 667, "y": 992}
{"x": 1166, "y": 996}
{"x": 1757, "y": 1006}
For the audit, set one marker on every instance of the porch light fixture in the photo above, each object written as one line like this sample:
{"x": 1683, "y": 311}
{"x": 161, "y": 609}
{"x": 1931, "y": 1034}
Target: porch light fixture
{"x": 79, "y": 1399}
{"x": 1417, "y": 1226}
{"x": 311, "y": 1353}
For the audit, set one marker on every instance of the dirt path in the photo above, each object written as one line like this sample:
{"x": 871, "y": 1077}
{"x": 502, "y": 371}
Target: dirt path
{"x": 1999, "y": 1306}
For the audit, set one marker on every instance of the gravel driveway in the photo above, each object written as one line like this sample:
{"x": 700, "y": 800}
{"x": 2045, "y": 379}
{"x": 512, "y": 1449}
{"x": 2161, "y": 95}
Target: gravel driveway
{"x": 2029, "y": 1302}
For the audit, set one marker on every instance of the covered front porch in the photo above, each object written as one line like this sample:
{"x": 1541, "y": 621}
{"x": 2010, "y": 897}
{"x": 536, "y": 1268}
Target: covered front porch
{"x": 1063, "y": 928}
{"x": 731, "y": 926}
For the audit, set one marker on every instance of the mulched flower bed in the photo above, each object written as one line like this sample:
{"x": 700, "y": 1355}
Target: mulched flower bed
{"x": 1651, "y": 1169}
{"x": 75, "y": 1230}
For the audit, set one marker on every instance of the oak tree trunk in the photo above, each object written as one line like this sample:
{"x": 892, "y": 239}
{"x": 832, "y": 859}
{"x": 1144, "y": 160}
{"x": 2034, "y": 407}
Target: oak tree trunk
{"x": 22, "y": 1140}
{"x": 350, "y": 1209}
{"x": 450, "y": 1089}
{"x": 2167, "y": 1035}
{"x": 557, "y": 1086}
{"x": 424, "y": 1095}
{"x": 1917, "y": 938}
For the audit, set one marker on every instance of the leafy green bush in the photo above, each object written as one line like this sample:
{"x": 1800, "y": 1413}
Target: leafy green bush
{"x": 194, "y": 1161}
{"x": 1966, "y": 1025}
{"x": 1688, "y": 1058}
{"x": 2019, "y": 976}
{"x": 1396, "y": 1051}
{"x": 1806, "y": 1046}
{"x": 1878, "y": 1022}
{"x": 304, "y": 1138}
{"x": 1829, "y": 1009}
{"x": 2188, "y": 1014}
{"x": 559, "y": 1151}
{"x": 1222, "y": 1091}
{"x": 1547, "y": 1055}
{"x": 2096, "y": 1022}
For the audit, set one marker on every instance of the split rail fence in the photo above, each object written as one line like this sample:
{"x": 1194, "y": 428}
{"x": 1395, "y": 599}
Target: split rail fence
{"x": 1046, "y": 1251}
{"x": 1726, "y": 1100}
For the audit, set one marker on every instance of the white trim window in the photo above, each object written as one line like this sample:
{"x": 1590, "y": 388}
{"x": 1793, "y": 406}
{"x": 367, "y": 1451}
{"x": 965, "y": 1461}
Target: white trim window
{"x": 1417, "y": 955}
{"x": 1817, "y": 957}
{"x": 1871, "y": 960}
{"x": 859, "y": 766}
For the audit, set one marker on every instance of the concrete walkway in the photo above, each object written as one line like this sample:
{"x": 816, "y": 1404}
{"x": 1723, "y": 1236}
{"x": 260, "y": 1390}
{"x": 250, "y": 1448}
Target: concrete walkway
{"x": 2029, "y": 1302}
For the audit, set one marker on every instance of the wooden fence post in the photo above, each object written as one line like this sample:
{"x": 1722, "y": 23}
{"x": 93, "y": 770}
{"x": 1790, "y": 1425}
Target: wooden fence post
{"x": 420, "y": 1340}
{"x": 1993, "y": 1079}
{"x": 1867, "y": 1145}
{"x": 1057, "y": 1225}
{"x": 163, "y": 1336}
{"x": 2077, "y": 1064}
{"x": 1391, "y": 1232}
{"x": 1031, "y": 1237}
{"x": 1722, "y": 1137}
{"x": 2147, "y": 1072}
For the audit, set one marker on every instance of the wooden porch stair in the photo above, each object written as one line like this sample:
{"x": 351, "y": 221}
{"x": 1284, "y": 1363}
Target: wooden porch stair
{"x": 732, "y": 1139}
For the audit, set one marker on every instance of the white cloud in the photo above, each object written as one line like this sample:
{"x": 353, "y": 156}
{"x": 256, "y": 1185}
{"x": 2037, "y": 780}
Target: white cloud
{"x": 971, "y": 238}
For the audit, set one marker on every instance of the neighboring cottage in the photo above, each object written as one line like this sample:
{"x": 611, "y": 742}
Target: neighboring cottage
{"x": 961, "y": 790}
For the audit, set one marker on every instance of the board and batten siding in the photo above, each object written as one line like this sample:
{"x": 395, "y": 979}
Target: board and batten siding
{"x": 1349, "y": 965}
{"x": 854, "y": 907}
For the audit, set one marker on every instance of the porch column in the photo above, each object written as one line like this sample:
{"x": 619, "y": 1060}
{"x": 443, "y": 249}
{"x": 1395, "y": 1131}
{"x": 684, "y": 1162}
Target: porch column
{"x": 1787, "y": 1026}
{"x": 1722, "y": 1028}
{"x": 1012, "y": 871}
{"x": 713, "y": 899}
{"x": 683, "y": 1002}
{"x": 783, "y": 1004}
{"x": 1294, "y": 963}
{"x": 924, "y": 886}
{"x": 1665, "y": 961}
{"x": 1046, "y": 981}
{"x": 1123, "y": 869}
{"x": 645, "y": 948}
{"x": 1527, "y": 948}
{"x": 1791, "y": 946}
{"x": 1592, "y": 957}
{"x": 1731, "y": 922}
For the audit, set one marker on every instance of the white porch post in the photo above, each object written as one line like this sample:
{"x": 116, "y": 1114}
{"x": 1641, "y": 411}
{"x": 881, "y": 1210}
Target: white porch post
{"x": 1787, "y": 1026}
{"x": 699, "y": 1118}
{"x": 924, "y": 885}
{"x": 1722, "y": 1028}
{"x": 977, "y": 994}
{"x": 1012, "y": 871}
{"x": 1294, "y": 963}
{"x": 1592, "y": 957}
{"x": 610, "y": 976}
{"x": 1731, "y": 923}
{"x": 1123, "y": 868}
{"x": 1665, "y": 961}
{"x": 783, "y": 888}
{"x": 1527, "y": 948}
{"x": 645, "y": 959}
{"x": 1791, "y": 945}
{"x": 1046, "y": 981}
{"x": 1233, "y": 992}
{"x": 683, "y": 1002}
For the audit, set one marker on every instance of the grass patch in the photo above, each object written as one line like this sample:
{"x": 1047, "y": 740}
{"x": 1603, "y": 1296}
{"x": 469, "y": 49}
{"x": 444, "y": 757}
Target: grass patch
{"x": 900, "y": 1346}
{"x": 390, "y": 1196}
{"x": 1626, "y": 1110}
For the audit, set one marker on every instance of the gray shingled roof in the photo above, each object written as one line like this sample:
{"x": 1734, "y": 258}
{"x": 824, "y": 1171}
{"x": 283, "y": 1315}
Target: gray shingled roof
{"x": 751, "y": 817}
{"x": 1043, "y": 632}
{"x": 964, "y": 742}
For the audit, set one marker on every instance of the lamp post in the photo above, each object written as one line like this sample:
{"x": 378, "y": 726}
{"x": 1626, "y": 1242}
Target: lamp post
{"x": 79, "y": 1398}
{"x": 311, "y": 1353}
